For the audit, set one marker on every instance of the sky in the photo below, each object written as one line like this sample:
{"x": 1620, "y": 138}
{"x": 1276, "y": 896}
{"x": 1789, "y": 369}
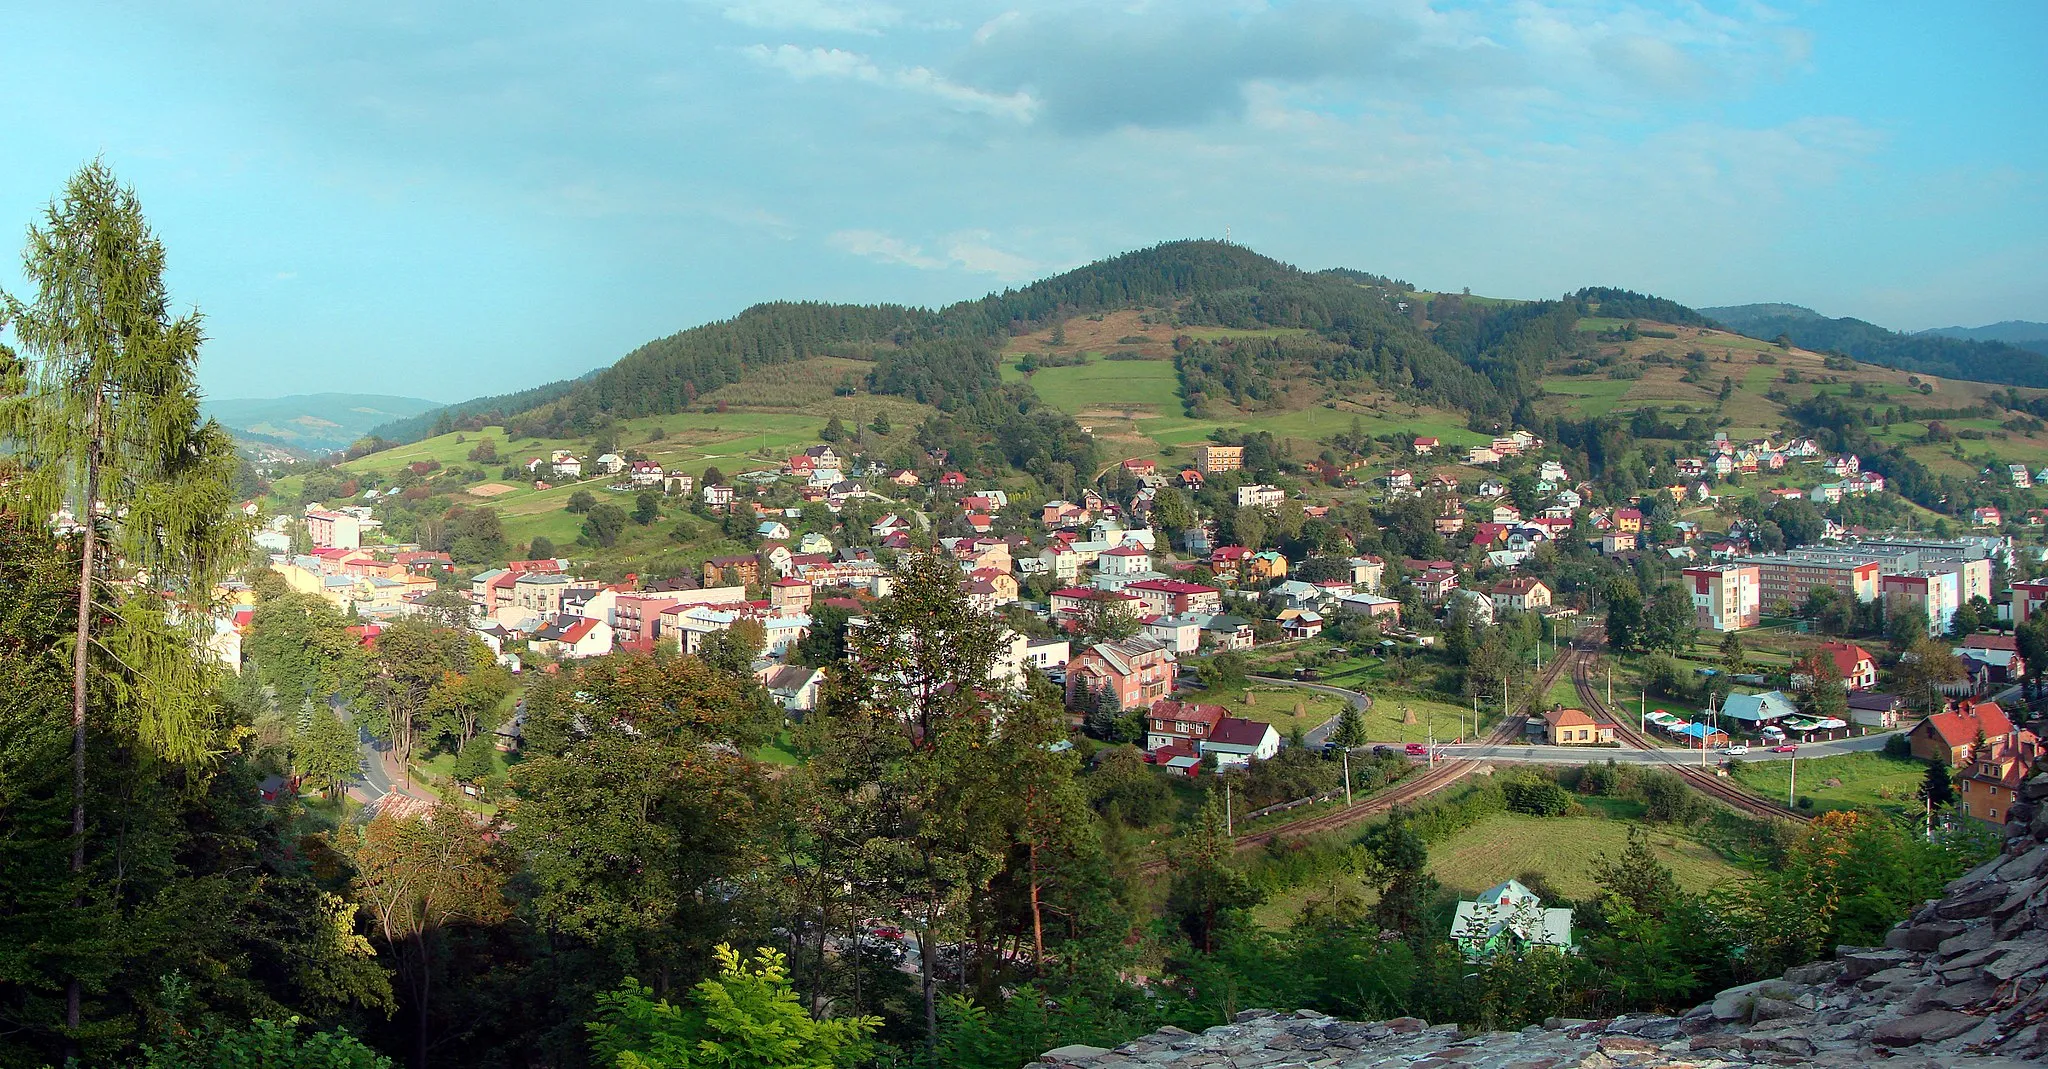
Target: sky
{"x": 451, "y": 199}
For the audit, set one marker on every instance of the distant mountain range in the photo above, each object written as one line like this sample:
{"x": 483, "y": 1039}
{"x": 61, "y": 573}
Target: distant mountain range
{"x": 312, "y": 423}
{"x": 2015, "y": 332}
{"x": 1977, "y": 354}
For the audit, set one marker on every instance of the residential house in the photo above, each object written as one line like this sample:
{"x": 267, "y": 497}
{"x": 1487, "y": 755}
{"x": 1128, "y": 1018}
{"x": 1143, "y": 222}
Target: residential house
{"x": 1169, "y": 723}
{"x": 774, "y": 529}
{"x": 1986, "y": 516}
{"x": 1989, "y": 786}
{"x": 1174, "y": 597}
{"x": 1480, "y": 455}
{"x": 1265, "y": 564}
{"x": 571, "y": 637}
{"x": 743, "y": 570}
{"x": 1260, "y": 495}
{"x": 1869, "y": 708}
{"x": 1179, "y": 634}
{"x": 793, "y": 686}
{"x": 333, "y": 530}
{"x": 1400, "y": 479}
{"x": 1574, "y": 727}
{"x": 1998, "y": 654}
{"x": 1853, "y": 664}
{"x": 1951, "y": 736}
{"x": 718, "y": 497}
{"x": 1523, "y": 594}
{"x": 1227, "y": 563}
{"x": 1124, "y": 560}
{"x": 1134, "y": 673}
{"x": 1301, "y": 623}
{"x": 1509, "y": 919}
{"x": 1225, "y": 632}
{"x": 1236, "y": 742}
{"x": 1367, "y": 572}
{"x": 1759, "y": 710}
{"x": 1386, "y": 610}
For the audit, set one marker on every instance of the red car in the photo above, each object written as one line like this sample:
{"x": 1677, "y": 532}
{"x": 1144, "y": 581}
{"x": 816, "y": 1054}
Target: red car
{"x": 1416, "y": 749}
{"x": 1786, "y": 748}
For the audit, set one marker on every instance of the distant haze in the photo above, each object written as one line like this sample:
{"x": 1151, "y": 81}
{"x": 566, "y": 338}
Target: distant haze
{"x": 315, "y": 422}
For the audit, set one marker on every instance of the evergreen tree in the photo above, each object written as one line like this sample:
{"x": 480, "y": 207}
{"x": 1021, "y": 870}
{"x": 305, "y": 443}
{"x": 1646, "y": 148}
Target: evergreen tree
{"x": 834, "y": 431}
{"x": 109, "y": 408}
{"x": 1207, "y": 890}
{"x": 1350, "y": 729}
{"x": 1937, "y": 786}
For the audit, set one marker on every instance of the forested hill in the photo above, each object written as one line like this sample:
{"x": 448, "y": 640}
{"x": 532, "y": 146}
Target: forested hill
{"x": 947, "y": 357}
{"x": 1481, "y": 358}
{"x": 1981, "y": 361}
{"x": 2015, "y": 332}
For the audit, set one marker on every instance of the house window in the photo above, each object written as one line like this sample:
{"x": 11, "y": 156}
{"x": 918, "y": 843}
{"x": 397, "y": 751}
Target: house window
{"x": 1991, "y": 814}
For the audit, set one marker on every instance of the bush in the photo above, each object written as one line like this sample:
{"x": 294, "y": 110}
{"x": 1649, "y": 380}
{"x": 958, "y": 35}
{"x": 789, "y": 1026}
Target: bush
{"x": 1898, "y": 746}
{"x": 1805, "y": 802}
{"x": 1536, "y": 796}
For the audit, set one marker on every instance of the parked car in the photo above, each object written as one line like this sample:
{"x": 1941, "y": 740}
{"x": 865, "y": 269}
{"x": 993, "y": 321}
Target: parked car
{"x": 1789, "y": 747}
{"x": 1416, "y": 749}
{"x": 1382, "y": 750}
{"x": 1736, "y": 750}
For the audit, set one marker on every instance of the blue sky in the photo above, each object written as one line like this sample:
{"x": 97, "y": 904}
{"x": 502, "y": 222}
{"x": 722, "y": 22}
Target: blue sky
{"x": 451, "y": 199}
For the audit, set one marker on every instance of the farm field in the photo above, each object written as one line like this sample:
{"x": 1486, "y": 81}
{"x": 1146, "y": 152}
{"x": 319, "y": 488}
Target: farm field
{"x": 1866, "y": 780}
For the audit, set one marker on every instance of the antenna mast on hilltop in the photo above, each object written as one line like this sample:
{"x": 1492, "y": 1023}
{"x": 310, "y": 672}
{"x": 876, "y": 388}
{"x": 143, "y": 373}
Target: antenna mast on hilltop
{"x": 1226, "y": 233}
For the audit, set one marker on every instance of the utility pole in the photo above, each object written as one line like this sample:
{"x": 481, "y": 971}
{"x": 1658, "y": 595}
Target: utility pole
{"x": 1347, "y": 776}
{"x": 1792, "y": 789}
{"x": 1229, "y": 827}
{"x": 1610, "y": 683}
{"x": 1643, "y": 710}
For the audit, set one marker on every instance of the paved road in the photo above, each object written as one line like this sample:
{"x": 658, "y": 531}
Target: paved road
{"x": 374, "y": 777}
{"x": 1315, "y": 736}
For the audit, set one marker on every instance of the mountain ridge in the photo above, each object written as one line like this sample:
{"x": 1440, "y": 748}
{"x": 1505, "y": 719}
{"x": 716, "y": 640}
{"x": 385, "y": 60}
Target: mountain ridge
{"x": 311, "y": 422}
{"x": 1934, "y": 354}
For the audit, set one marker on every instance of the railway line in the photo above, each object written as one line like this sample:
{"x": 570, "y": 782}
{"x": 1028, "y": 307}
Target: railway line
{"x": 1420, "y": 785}
{"x": 1706, "y": 782}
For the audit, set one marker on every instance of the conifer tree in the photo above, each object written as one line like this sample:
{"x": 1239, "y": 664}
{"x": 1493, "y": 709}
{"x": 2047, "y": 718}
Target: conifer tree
{"x": 107, "y": 408}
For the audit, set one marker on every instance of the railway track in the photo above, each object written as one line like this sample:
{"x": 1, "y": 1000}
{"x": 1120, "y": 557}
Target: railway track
{"x": 1420, "y": 785}
{"x": 1705, "y": 782}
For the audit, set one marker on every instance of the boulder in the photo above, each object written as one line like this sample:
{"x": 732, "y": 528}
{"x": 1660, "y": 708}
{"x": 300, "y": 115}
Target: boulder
{"x": 1922, "y": 937}
{"x": 1072, "y": 1054}
{"x": 1930, "y": 1027}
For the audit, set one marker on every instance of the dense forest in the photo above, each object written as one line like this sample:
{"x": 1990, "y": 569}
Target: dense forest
{"x": 1934, "y": 354}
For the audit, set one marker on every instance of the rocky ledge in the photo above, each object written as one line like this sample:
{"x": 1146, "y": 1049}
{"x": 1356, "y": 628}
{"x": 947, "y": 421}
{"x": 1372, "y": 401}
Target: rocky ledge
{"x": 1963, "y": 983}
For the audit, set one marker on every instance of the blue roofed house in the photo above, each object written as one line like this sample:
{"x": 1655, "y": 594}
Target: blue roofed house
{"x": 1758, "y": 710}
{"x": 1509, "y": 918}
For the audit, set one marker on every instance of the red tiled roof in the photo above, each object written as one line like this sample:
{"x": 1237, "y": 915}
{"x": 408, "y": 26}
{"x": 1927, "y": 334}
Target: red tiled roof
{"x": 1237, "y": 731}
{"x": 1959, "y": 728}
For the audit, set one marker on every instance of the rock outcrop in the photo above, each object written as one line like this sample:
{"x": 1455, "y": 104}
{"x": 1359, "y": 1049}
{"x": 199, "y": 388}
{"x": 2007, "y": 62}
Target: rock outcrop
{"x": 1963, "y": 983}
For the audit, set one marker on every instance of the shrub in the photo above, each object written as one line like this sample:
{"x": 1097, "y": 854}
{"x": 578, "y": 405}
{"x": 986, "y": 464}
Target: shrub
{"x": 1536, "y": 796}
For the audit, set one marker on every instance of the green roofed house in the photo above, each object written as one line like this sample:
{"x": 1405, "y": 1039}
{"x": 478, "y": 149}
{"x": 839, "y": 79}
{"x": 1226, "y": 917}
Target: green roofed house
{"x": 1509, "y": 917}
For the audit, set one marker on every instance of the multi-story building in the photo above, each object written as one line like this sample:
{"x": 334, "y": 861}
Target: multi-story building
{"x": 1790, "y": 577}
{"x": 1174, "y": 597}
{"x": 1260, "y": 495}
{"x": 1215, "y": 459}
{"x": 540, "y": 592}
{"x": 1134, "y": 673}
{"x": 1524, "y": 594}
{"x": 1930, "y": 593}
{"x": 2028, "y": 598}
{"x": 1726, "y": 597}
{"x": 333, "y": 530}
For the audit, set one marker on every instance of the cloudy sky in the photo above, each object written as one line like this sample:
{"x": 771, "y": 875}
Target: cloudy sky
{"x": 447, "y": 199}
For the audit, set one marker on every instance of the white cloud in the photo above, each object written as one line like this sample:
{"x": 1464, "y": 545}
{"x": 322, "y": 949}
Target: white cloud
{"x": 882, "y": 248}
{"x": 804, "y": 64}
{"x": 824, "y": 16}
{"x": 967, "y": 250}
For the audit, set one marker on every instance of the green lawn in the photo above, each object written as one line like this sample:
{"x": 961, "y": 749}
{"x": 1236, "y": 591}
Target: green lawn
{"x": 1867, "y": 779}
{"x": 1505, "y": 846}
{"x": 1384, "y": 722}
{"x": 1275, "y": 704}
{"x": 1144, "y": 386}
{"x": 778, "y": 751}
{"x": 1563, "y": 850}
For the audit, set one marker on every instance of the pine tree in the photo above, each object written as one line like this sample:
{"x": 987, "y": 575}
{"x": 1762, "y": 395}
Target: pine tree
{"x": 109, "y": 408}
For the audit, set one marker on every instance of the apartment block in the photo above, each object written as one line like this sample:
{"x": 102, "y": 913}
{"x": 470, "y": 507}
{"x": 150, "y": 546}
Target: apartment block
{"x": 1215, "y": 459}
{"x": 1728, "y": 597}
{"x": 1792, "y": 576}
{"x": 1935, "y": 594}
